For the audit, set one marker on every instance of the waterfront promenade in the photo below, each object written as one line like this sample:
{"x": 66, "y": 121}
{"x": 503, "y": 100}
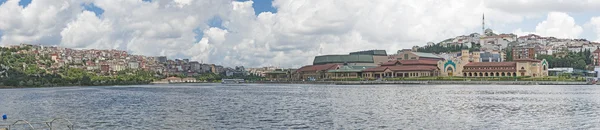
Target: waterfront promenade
{"x": 427, "y": 82}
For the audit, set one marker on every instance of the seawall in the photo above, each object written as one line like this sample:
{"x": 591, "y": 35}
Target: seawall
{"x": 428, "y": 82}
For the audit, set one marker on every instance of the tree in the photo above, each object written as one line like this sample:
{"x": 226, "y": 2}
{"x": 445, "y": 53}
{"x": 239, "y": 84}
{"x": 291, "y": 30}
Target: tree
{"x": 509, "y": 55}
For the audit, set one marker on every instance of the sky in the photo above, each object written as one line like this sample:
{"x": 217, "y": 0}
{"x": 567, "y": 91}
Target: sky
{"x": 284, "y": 33}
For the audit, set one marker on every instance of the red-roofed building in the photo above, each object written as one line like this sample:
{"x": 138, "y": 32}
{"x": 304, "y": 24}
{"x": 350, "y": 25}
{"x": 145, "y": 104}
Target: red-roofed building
{"x": 403, "y": 68}
{"x": 314, "y": 71}
{"x": 596, "y": 54}
{"x": 466, "y": 67}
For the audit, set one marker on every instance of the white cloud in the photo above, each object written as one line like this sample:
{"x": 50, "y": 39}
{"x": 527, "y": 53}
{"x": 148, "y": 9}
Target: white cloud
{"x": 595, "y": 23}
{"x": 182, "y": 3}
{"x": 87, "y": 31}
{"x": 520, "y": 32}
{"x": 559, "y": 25}
{"x": 291, "y": 37}
{"x": 39, "y": 23}
{"x": 543, "y": 6}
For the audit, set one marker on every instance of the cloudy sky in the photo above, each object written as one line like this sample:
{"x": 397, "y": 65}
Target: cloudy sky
{"x": 286, "y": 33}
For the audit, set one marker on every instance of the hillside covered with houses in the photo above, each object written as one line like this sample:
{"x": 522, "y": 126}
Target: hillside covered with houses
{"x": 38, "y": 65}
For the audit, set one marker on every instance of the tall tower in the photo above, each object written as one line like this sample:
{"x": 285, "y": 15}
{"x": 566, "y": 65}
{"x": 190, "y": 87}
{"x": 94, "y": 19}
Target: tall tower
{"x": 483, "y": 24}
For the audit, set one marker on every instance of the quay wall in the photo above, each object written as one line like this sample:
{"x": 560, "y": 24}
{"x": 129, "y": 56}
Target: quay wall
{"x": 427, "y": 82}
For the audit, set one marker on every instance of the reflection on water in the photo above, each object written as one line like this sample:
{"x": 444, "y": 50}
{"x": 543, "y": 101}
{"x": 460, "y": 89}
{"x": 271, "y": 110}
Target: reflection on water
{"x": 216, "y": 106}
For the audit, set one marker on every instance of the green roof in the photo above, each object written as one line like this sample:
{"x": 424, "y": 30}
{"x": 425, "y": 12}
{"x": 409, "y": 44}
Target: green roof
{"x": 428, "y": 55}
{"x": 328, "y": 59}
{"x": 348, "y": 68}
{"x": 370, "y": 52}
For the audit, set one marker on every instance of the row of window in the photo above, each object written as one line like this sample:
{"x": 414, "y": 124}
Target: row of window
{"x": 488, "y": 68}
{"x": 491, "y": 74}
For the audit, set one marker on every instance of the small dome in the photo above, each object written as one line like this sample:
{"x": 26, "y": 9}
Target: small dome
{"x": 489, "y": 30}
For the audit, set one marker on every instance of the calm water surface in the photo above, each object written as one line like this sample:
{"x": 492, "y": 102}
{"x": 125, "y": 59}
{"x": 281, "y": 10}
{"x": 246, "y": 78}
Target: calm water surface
{"x": 254, "y": 106}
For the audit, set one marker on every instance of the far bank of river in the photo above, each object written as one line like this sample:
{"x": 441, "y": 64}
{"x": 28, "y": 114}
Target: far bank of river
{"x": 374, "y": 83}
{"x": 428, "y": 82}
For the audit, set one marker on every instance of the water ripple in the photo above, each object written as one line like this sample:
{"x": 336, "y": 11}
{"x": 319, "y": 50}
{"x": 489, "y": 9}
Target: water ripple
{"x": 255, "y": 106}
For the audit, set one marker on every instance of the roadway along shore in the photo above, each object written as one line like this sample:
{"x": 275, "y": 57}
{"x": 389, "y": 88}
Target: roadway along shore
{"x": 427, "y": 82}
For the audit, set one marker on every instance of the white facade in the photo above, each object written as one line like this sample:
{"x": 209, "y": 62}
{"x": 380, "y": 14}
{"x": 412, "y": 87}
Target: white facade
{"x": 117, "y": 67}
{"x": 575, "y": 48}
{"x": 134, "y": 65}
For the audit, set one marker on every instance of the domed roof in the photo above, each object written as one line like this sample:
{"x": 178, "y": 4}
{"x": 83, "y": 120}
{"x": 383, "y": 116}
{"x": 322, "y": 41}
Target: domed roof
{"x": 488, "y": 30}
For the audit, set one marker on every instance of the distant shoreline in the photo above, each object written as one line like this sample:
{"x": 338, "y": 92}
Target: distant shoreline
{"x": 367, "y": 83}
{"x": 427, "y": 82}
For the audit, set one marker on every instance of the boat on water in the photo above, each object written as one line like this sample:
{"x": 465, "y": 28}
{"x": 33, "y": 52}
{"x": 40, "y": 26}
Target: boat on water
{"x": 232, "y": 81}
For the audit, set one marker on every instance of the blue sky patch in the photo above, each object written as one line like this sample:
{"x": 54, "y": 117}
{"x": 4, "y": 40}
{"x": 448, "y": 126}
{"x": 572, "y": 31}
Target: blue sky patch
{"x": 2, "y": 2}
{"x": 262, "y": 6}
{"x": 199, "y": 34}
{"x": 24, "y": 3}
{"x": 147, "y": 0}
{"x": 217, "y": 22}
{"x": 92, "y": 7}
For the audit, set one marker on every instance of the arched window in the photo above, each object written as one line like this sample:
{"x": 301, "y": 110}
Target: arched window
{"x": 522, "y": 68}
{"x": 449, "y": 69}
{"x": 545, "y": 67}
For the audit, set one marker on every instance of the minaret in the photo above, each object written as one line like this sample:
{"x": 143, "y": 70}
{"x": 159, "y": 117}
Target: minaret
{"x": 483, "y": 24}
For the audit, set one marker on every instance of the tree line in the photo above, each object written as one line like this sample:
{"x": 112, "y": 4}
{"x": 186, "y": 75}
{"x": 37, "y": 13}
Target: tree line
{"x": 576, "y": 60}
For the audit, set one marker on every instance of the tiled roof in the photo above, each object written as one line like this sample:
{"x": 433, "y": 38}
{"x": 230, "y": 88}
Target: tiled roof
{"x": 317, "y": 67}
{"x": 410, "y": 62}
{"x": 597, "y": 51}
{"x": 418, "y": 62}
{"x": 527, "y": 59}
{"x": 413, "y": 68}
{"x": 390, "y": 63}
{"x": 491, "y": 64}
{"x": 402, "y": 68}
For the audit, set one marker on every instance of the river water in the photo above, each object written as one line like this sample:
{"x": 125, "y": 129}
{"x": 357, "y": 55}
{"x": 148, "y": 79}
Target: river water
{"x": 256, "y": 106}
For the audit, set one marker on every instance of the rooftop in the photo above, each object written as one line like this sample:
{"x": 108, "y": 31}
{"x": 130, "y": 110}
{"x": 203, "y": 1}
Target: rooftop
{"x": 310, "y": 68}
{"x": 370, "y": 52}
{"x": 348, "y": 68}
{"x": 402, "y": 68}
{"x": 428, "y": 55}
{"x": 328, "y": 59}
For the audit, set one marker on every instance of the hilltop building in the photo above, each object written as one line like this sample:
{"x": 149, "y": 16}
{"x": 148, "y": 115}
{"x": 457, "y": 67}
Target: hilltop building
{"x": 408, "y": 54}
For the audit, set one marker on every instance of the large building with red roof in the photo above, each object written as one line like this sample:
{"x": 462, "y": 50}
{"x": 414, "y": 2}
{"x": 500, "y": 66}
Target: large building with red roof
{"x": 472, "y": 67}
{"x": 413, "y": 64}
{"x": 314, "y": 71}
{"x": 403, "y": 68}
